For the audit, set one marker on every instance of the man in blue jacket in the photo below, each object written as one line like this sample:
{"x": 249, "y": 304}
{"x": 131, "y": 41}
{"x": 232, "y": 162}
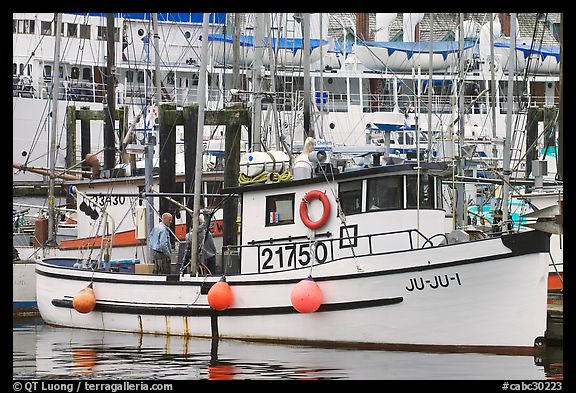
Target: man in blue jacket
{"x": 159, "y": 243}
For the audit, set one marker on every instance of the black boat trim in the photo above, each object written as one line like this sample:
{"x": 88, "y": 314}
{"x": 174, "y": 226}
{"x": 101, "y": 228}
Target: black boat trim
{"x": 147, "y": 309}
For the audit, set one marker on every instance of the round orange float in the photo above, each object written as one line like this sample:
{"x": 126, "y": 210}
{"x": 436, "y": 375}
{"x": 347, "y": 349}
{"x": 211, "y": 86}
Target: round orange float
{"x": 220, "y": 295}
{"x": 85, "y": 300}
{"x": 306, "y": 296}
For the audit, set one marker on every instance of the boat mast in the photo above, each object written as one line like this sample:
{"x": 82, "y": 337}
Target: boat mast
{"x": 493, "y": 89}
{"x": 459, "y": 188}
{"x": 149, "y": 152}
{"x": 198, "y": 175}
{"x": 430, "y": 89}
{"x": 507, "y": 153}
{"x": 55, "y": 93}
{"x": 306, "y": 64}
{"x": 560, "y": 155}
{"x": 110, "y": 108}
{"x": 257, "y": 81}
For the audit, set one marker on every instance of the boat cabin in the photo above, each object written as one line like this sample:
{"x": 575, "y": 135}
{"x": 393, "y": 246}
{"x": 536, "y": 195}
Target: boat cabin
{"x": 356, "y": 213}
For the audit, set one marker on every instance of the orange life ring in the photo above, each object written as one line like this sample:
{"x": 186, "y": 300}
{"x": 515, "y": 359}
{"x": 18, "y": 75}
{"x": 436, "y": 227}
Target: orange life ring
{"x": 310, "y": 195}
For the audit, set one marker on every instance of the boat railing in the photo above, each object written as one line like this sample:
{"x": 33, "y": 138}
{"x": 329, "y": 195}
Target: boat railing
{"x": 294, "y": 252}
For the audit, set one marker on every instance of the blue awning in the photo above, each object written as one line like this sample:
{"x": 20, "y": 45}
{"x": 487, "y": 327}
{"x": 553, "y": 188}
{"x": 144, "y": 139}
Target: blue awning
{"x": 410, "y": 48}
{"x": 293, "y": 44}
{"x": 528, "y": 49}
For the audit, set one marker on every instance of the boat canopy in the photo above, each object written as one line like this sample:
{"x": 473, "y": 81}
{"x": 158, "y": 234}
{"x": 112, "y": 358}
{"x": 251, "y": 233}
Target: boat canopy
{"x": 528, "y": 49}
{"x": 410, "y": 48}
{"x": 294, "y": 44}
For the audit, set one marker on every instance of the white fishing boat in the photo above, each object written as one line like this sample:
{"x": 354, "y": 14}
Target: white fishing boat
{"x": 383, "y": 270}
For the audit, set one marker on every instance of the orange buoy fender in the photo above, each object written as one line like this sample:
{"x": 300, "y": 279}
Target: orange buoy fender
{"x": 85, "y": 300}
{"x": 306, "y": 296}
{"x": 220, "y": 295}
{"x": 311, "y": 195}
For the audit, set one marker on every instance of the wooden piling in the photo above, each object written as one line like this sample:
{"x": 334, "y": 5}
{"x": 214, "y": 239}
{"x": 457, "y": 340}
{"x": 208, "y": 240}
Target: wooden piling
{"x": 190, "y": 117}
{"x": 167, "y": 146}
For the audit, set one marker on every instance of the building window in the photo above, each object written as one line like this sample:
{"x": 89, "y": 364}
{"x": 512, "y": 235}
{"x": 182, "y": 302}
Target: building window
{"x": 385, "y": 193}
{"x": 29, "y": 70}
{"x": 103, "y": 33}
{"x": 129, "y": 76}
{"x": 14, "y": 69}
{"x": 279, "y": 209}
{"x": 87, "y": 73}
{"x": 85, "y": 31}
{"x": 140, "y": 76}
{"x": 72, "y": 30}
{"x": 426, "y": 192}
{"x": 46, "y": 28}
{"x": 170, "y": 78}
{"x": 350, "y": 195}
{"x": 47, "y": 72}
{"x": 23, "y": 26}
{"x": 21, "y": 69}
{"x": 75, "y": 73}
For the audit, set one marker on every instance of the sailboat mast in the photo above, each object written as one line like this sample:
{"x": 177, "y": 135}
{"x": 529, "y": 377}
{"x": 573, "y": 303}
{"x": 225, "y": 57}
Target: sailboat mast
{"x": 55, "y": 93}
{"x": 149, "y": 155}
{"x": 110, "y": 109}
{"x": 306, "y": 64}
{"x": 560, "y": 156}
{"x": 198, "y": 175}
{"x": 430, "y": 88}
{"x": 460, "y": 210}
{"x": 507, "y": 142}
{"x": 493, "y": 88}
{"x": 257, "y": 81}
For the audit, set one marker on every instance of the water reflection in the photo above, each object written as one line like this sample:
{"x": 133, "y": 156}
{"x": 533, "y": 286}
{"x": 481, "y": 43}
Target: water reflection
{"x": 41, "y": 351}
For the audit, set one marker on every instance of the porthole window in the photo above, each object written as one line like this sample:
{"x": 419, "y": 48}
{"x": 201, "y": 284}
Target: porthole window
{"x": 187, "y": 35}
{"x": 332, "y": 126}
{"x": 140, "y": 32}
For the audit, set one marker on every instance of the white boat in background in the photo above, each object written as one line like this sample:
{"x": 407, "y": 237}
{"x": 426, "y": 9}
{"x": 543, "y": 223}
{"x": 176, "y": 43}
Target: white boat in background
{"x": 407, "y": 56}
{"x": 530, "y": 56}
{"x": 24, "y": 288}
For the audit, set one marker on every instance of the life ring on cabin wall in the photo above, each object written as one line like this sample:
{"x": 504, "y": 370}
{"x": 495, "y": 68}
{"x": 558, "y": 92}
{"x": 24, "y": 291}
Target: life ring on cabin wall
{"x": 309, "y": 196}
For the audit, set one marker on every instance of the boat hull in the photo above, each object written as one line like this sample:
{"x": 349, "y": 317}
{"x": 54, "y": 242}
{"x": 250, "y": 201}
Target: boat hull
{"x": 487, "y": 297}
{"x": 24, "y": 288}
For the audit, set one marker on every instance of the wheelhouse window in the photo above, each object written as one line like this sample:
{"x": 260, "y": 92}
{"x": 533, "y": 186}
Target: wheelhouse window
{"x": 385, "y": 193}
{"x": 350, "y": 195}
{"x": 426, "y": 192}
{"x": 279, "y": 209}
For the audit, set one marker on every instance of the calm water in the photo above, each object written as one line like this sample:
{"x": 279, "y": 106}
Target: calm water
{"x": 46, "y": 352}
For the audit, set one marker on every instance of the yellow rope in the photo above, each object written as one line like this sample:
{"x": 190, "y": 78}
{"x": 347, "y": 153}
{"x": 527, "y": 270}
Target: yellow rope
{"x": 264, "y": 177}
